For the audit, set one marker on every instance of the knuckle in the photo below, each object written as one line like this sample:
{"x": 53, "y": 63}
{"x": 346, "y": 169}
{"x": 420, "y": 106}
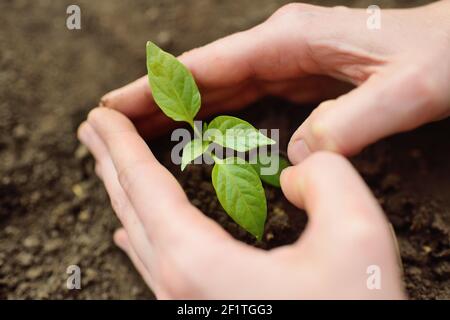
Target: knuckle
{"x": 294, "y": 12}
{"x": 105, "y": 101}
{"x": 130, "y": 174}
{"x": 290, "y": 9}
{"x": 95, "y": 114}
{"x": 323, "y": 135}
{"x": 127, "y": 176}
{"x": 340, "y": 9}
{"x": 363, "y": 233}
{"x": 422, "y": 85}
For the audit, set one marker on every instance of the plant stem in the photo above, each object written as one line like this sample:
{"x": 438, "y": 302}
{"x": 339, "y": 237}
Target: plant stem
{"x": 196, "y": 131}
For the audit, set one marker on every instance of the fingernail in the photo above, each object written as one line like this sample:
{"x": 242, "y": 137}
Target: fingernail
{"x": 298, "y": 151}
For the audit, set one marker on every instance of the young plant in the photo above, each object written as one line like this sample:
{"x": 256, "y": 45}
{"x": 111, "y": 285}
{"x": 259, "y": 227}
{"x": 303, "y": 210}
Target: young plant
{"x": 237, "y": 183}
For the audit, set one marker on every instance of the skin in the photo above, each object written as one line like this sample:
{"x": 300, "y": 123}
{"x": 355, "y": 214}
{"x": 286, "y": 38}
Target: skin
{"x": 400, "y": 74}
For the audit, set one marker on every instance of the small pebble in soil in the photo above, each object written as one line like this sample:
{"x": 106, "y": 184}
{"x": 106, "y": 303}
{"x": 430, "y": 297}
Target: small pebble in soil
{"x": 81, "y": 152}
{"x": 152, "y": 13}
{"x": 24, "y": 259}
{"x": 427, "y": 249}
{"x": 78, "y": 190}
{"x": 34, "y": 273}
{"x": 20, "y": 131}
{"x": 84, "y": 216}
{"x": 52, "y": 245}
{"x": 35, "y": 197}
{"x": 390, "y": 182}
{"x": 11, "y": 231}
{"x": 279, "y": 211}
{"x": 89, "y": 276}
{"x": 269, "y": 236}
{"x": 164, "y": 38}
{"x": 31, "y": 242}
{"x": 61, "y": 209}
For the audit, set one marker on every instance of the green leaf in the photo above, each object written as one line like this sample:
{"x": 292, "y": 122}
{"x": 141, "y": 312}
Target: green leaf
{"x": 172, "y": 84}
{"x": 192, "y": 150}
{"x": 241, "y": 194}
{"x": 237, "y": 134}
{"x": 265, "y": 163}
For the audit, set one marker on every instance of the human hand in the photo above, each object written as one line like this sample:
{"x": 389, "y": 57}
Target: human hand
{"x": 183, "y": 254}
{"x": 402, "y": 74}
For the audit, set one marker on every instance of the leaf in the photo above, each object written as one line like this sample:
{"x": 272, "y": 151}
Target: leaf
{"x": 241, "y": 194}
{"x": 173, "y": 87}
{"x": 264, "y": 163}
{"x": 192, "y": 150}
{"x": 237, "y": 134}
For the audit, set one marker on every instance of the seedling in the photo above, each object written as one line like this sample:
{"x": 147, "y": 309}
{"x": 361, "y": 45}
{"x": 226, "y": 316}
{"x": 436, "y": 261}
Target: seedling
{"x": 237, "y": 183}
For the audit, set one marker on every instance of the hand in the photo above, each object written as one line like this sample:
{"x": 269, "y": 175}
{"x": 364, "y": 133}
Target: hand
{"x": 401, "y": 72}
{"x": 183, "y": 254}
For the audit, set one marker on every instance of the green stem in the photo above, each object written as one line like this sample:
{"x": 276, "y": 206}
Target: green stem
{"x": 196, "y": 131}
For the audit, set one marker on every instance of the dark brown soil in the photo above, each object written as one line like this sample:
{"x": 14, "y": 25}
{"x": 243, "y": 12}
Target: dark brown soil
{"x": 53, "y": 210}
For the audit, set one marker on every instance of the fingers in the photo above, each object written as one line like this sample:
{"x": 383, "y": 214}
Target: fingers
{"x": 153, "y": 192}
{"x": 163, "y": 230}
{"x": 266, "y": 52}
{"x": 347, "y": 229}
{"x": 122, "y": 241}
{"x": 386, "y": 104}
{"x": 331, "y": 191}
{"x": 119, "y": 200}
{"x": 135, "y": 99}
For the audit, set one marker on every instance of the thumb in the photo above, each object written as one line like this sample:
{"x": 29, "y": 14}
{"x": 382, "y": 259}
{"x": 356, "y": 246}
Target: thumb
{"x": 331, "y": 192}
{"x": 385, "y": 104}
{"x": 347, "y": 231}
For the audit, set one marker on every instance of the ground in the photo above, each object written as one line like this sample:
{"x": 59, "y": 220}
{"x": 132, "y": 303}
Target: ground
{"x": 54, "y": 211}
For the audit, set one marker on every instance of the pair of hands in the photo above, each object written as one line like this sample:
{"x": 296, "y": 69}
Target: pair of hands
{"x": 301, "y": 53}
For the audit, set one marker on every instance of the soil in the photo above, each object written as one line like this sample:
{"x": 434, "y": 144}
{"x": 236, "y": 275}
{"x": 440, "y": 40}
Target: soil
{"x": 54, "y": 212}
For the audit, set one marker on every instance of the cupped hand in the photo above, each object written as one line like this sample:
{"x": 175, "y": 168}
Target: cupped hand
{"x": 183, "y": 254}
{"x": 307, "y": 53}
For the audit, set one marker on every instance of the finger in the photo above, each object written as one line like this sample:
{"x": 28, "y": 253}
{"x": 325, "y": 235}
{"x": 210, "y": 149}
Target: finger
{"x": 119, "y": 200}
{"x": 331, "y": 191}
{"x": 303, "y": 90}
{"x": 345, "y": 221}
{"x": 122, "y": 240}
{"x": 265, "y": 52}
{"x": 134, "y": 99}
{"x": 154, "y": 193}
{"x": 384, "y": 105}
